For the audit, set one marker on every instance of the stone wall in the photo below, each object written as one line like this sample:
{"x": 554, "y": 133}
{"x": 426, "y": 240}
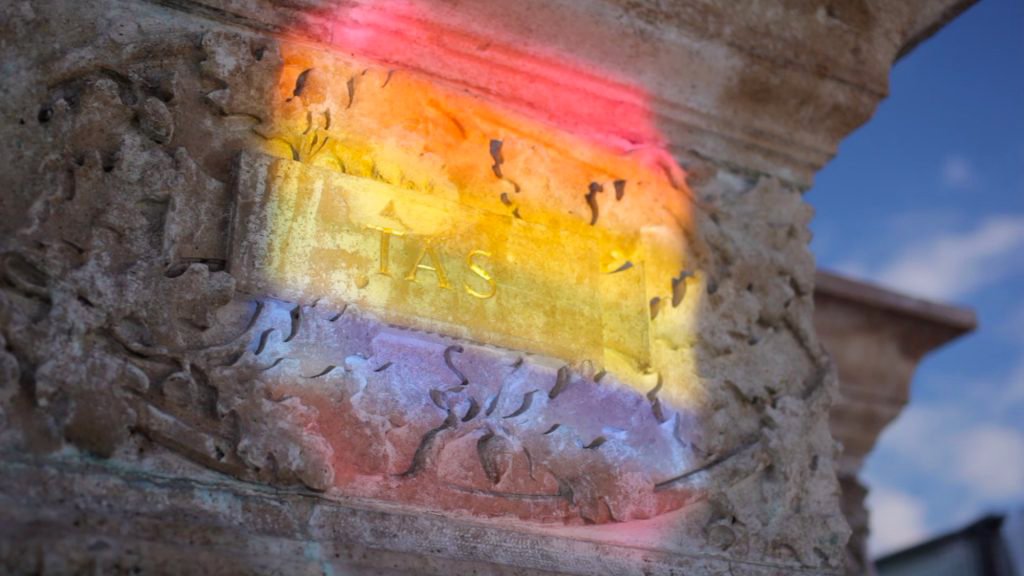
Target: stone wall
{"x": 201, "y": 373}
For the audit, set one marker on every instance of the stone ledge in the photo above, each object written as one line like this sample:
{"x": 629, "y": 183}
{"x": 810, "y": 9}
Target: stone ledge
{"x": 944, "y": 322}
{"x": 69, "y": 505}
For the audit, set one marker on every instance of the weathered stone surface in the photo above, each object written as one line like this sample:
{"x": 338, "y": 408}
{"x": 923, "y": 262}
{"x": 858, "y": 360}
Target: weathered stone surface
{"x": 155, "y": 407}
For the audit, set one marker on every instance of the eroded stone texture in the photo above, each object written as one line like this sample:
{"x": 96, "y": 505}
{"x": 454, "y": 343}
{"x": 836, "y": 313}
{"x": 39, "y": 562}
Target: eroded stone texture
{"x": 137, "y": 372}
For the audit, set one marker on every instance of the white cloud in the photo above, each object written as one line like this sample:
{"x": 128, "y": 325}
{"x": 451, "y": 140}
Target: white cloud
{"x": 990, "y": 460}
{"x": 914, "y": 432}
{"x": 983, "y": 463}
{"x": 897, "y": 520}
{"x": 985, "y": 460}
{"x": 1013, "y": 387}
{"x": 951, "y": 265}
{"x": 958, "y": 172}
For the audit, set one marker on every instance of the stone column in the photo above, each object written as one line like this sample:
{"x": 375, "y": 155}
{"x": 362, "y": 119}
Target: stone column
{"x": 423, "y": 286}
{"x": 876, "y": 339}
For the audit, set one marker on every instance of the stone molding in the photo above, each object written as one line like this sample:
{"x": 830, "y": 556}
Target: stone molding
{"x": 154, "y": 523}
{"x": 772, "y": 91}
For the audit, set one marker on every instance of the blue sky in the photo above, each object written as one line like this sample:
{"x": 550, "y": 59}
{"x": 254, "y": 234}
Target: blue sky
{"x": 928, "y": 198}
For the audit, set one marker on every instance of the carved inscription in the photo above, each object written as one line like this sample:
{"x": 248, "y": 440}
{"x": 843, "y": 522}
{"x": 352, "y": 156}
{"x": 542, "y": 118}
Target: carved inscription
{"x": 428, "y": 249}
{"x": 308, "y": 234}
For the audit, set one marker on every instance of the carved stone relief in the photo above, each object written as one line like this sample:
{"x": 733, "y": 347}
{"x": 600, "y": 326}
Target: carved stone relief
{"x": 128, "y": 333}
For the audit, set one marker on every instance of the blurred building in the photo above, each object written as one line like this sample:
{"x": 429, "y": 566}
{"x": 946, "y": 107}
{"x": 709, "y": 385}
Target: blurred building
{"x": 991, "y": 546}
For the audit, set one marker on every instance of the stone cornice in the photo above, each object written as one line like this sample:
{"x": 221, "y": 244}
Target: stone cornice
{"x": 769, "y": 91}
{"x": 933, "y": 323}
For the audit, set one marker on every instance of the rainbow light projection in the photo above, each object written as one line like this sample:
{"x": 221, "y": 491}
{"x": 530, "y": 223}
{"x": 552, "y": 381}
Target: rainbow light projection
{"x": 542, "y": 215}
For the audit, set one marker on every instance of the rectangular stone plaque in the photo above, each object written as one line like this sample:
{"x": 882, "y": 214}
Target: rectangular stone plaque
{"x": 305, "y": 233}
